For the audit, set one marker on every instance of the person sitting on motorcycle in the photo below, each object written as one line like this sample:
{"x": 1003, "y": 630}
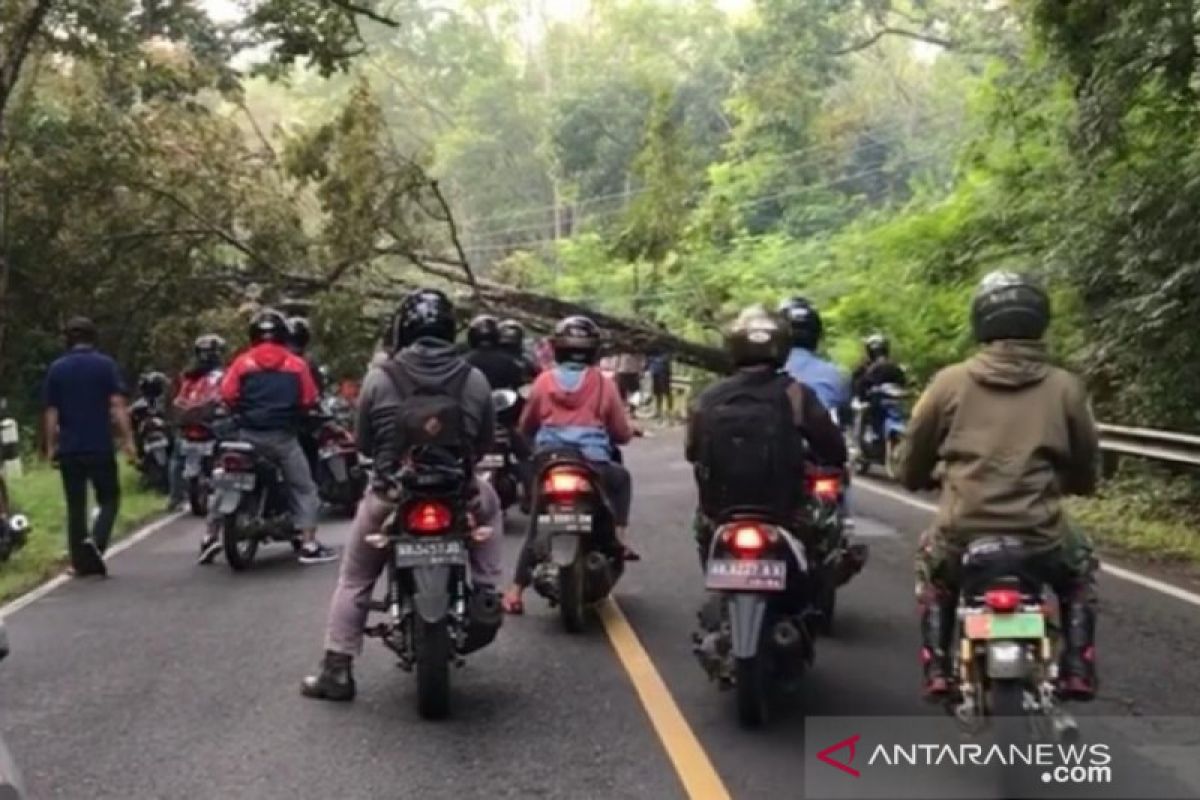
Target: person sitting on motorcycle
{"x": 269, "y": 390}
{"x": 512, "y": 341}
{"x": 195, "y": 402}
{"x": 421, "y": 341}
{"x": 576, "y": 405}
{"x": 803, "y": 363}
{"x": 153, "y": 388}
{"x": 757, "y": 343}
{"x": 875, "y": 370}
{"x": 299, "y": 338}
{"x": 502, "y": 369}
{"x": 1013, "y": 434}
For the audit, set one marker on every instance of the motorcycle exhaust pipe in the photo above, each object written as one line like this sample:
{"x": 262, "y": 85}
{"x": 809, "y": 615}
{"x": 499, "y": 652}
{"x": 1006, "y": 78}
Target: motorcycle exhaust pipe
{"x": 598, "y": 575}
{"x": 484, "y": 616}
{"x": 786, "y": 635}
{"x": 850, "y": 563}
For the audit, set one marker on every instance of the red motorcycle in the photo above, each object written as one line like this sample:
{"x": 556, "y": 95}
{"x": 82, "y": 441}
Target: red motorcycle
{"x": 341, "y": 476}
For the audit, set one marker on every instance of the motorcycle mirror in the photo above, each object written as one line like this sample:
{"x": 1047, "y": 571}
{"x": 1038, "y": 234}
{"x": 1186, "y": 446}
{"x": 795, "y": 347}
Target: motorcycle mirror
{"x": 504, "y": 399}
{"x": 18, "y": 523}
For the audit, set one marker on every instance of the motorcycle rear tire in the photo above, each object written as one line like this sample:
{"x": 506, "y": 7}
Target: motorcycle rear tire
{"x": 239, "y": 550}
{"x": 752, "y": 682}
{"x": 827, "y": 605}
{"x": 433, "y": 646}
{"x": 891, "y": 457}
{"x": 571, "y": 606}
{"x": 198, "y": 497}
{"x": 1009, "y": 724}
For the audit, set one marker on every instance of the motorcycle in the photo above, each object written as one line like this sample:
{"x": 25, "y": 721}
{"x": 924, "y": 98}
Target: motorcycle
{"x": 11, "y": 785}
{"x": 880, "y": 425}
{"x": 759, "y": 627}
{"x": 252, "y": 505}
{"x": 341, "y": 478}
{"x": 14, "y": 528}
{"x": 1006, "y": 661}
{"x": 579, "y": 559}
{"x": 197, "y": 444}
{"x": 498, "y": 466}
{"x": 837, "y": 560}
{"x": 154, "y": 444}
{"x": 435, "y": 614}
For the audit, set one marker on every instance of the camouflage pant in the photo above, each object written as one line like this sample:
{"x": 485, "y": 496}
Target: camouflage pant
{"x": 939, "y": 559}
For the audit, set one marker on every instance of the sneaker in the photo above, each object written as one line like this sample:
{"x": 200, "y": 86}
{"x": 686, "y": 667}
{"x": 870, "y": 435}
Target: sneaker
{"x": 91, "y": 562}
{"x": 316, "y": 553}
{"x": 210, "y": 546}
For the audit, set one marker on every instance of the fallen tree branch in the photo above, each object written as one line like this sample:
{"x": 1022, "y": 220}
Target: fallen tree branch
{"x": 363, "y": 11}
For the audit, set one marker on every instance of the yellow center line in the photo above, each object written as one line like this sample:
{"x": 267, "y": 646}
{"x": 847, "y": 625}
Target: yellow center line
{"x": 699, "y": 777}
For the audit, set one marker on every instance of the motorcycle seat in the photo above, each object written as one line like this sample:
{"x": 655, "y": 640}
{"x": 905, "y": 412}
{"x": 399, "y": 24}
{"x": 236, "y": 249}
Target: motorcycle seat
{"x": 1003, "y": 559}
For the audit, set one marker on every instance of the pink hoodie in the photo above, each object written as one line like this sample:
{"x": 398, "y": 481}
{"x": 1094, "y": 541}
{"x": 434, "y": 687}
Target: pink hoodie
{"x": 595, "y": 404}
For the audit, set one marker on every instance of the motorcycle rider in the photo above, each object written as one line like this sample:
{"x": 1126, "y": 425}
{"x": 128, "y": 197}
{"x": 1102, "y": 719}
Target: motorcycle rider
{"x": 575, "y": 404}
{"x": 758, "y": 346}
{"x": 195, "y": 402}
{"x": 501, "y": 368}
{"x": 269, "y": 389}
{"x": 153, "y": 388}
{"x": 299, "y": 338}
{"x": 875, "y": 370}
{"x": 512, "y": 341}
{"x": 422, "y": 348}
{"x": 803, "y": 363}
{"x": 1014, "y": 434}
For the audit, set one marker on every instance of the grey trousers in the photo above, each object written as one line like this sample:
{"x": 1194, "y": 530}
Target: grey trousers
{"x": 363, "y": 563}
{"x": 283, "y": 449}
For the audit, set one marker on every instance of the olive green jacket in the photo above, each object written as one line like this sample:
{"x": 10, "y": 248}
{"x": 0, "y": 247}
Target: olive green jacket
{"x": 1014, "y": 434}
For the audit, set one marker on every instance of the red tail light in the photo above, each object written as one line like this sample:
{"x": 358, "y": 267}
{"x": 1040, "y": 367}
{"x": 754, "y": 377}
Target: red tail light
{"x": 746, "y": 540}
{"x": 826, "y": 488}
{"x": 195, "y": 433}
{"x": 565, "y": 482}
{"x": 236, "y": 462}
{"x": 1002, "y": 599}
{"x": 428, "y": 517}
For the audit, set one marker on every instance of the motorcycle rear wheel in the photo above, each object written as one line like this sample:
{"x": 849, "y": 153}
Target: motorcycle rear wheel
{"x": 1009, "y": 723}
{"x": 571, "y": 606}
{"x": 891, "y": 457}
{"x": 198, "y": 497}
{"x": 239, "y": 549}
{"x": 752, "y": 682}
{"x": 432, "y": 642}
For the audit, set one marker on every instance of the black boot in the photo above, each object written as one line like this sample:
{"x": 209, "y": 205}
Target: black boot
{"x": 937, "y": 629}
{"x": 335, "y": 681}
{"x": 1077, "y": 669}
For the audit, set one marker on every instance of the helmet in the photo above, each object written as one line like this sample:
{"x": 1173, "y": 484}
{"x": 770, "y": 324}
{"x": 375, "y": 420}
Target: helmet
{"x": 877, "y": 346}
{"x": 804, "y": 321}
{"x": 300, "y": 333}
{"x": 512, "y": 335}
{"x": 268, "y": 325}
{"x": 757, "y": 337}
{"x": 423, "y": 313}
{"x": 153, "y": 384}
{"x": 484, "y": 331}
{"x": 576, "y": 339}
{"x": 210, "y": 350}
{"x": 1009, "y": 305}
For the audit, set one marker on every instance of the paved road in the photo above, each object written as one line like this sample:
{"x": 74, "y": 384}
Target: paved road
{"x": 170, "y": 680}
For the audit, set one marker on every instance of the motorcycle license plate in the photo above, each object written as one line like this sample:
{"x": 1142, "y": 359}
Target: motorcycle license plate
{"x": 156, "y": 444}
{"x": 234, "y": 481}
{"x": 430, "y": 554}
{"x": 729, "y": 574}
{"x": 336, "y": 464}
{"x": 565, "y": 521}
{"x": 1031, "y": 625}
{"x": 197, "y": 449}
{"x": 492, "y": 461}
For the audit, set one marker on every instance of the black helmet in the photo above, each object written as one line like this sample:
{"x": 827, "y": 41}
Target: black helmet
{"x": 877, "y": 346}
{"x": 300, "y": 333}
{"x": 268, "y": 325}
{"x": 757, "y": 337}
{"x": 209, "y": 350}
{"x": 512, "y": 335}
{"x": 484, "y": 331}
{"x": 576, "y": 339}
{"x": 804, "y": 321}
{"x": 1009, "y": 305}
{"x": 153, "y": 384}
{"x": 423, "y": 313}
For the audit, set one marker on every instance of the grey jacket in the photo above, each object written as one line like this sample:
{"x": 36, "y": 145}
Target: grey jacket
{"x": 426, "y": 360}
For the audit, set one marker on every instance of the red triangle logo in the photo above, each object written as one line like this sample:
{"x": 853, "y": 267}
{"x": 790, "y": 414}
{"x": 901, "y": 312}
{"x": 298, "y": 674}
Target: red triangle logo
{"x": 844, "y": 766}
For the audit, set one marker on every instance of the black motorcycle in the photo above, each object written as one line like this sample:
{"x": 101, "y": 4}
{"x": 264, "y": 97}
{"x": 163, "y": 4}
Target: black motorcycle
{"x": 153, "y": 439}
{"x": 499, "y": 466}
{"x": 340, "y": 475}
{"x": 252, "y": 503}
{"x": 836, "y": 560}
{"x": 759, "y": 628}
{"x": 579, "y": 559}
{"x": 435, "y": 614}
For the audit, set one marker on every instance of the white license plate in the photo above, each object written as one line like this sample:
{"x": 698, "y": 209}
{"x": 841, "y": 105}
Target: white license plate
{"x": 569, "y": 521}
{"x": 492, "y": 461}
{"x": 727, "y": 574}
{"x": 237, "y": 481}
{"x": 442, "y": 552}
{"x": 197, "y": 449}
{"x": 156, "y": 444}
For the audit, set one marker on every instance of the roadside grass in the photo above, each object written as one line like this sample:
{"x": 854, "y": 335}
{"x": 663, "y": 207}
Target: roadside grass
{"x": 38, "y": 495}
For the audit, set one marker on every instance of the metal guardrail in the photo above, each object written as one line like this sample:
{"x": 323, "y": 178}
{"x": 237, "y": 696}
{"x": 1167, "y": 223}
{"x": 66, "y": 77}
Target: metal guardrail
{"x": 1168, "y": 447}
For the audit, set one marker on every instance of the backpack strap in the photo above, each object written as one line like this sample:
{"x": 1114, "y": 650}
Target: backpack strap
{"x": 399, "y": 377}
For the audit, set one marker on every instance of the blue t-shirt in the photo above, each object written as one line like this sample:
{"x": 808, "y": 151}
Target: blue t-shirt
{"x": 80, "y": 385}
{"x": 829, "y": 383}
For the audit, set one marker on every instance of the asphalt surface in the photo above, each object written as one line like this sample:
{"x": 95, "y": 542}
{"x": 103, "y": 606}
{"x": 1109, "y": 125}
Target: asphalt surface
{"x": 171, "y": 680}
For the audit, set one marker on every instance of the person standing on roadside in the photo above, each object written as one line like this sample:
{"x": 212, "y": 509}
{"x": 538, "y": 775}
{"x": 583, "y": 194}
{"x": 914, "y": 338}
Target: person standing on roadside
{"x": 659, "y": 367}
{"x": 630, "y": 366}
{"x": 84, "y": 398}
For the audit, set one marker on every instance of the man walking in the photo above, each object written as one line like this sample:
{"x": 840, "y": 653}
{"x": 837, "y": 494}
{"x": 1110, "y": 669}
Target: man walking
{"x": 84, "y": 397}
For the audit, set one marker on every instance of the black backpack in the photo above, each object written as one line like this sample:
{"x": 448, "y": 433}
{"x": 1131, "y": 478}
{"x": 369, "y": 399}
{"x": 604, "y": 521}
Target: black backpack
{"x": 751, "y": 454}
{"x": 430, "y": 417}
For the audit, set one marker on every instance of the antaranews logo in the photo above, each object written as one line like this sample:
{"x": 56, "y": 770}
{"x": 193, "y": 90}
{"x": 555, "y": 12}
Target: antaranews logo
{"x": 850, "y": 745}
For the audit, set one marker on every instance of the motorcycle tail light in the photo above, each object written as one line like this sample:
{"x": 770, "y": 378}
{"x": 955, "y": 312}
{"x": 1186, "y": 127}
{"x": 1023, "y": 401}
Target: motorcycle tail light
{"x": 1002, "y": 599}
{"x": 826, "y": 488}
{"x": 236, "y": 462}
{"x": 565, "y": 483}
{"x": 746, "y": 540}
{"x": 427, "y": 516}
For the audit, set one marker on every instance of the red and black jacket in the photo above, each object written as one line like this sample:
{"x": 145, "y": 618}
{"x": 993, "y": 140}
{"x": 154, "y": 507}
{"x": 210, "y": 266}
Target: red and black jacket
{"x": 268, "y": 388}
